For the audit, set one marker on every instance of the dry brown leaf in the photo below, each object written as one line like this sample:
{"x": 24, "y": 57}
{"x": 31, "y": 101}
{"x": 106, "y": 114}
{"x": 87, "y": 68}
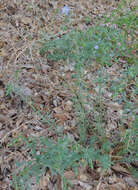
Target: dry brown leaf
{"x": 19, "y": 121}
{"x": 130, "y": 181}
{"x": 26, "y": 20}
{"x": 12, "y": 112}
{"x": 26, "y": 91}
{"x": 27, "y": 66}
{"x": 3, "y": 118}
{"x": 112, "y": 179}
{"x": 1, "y": 93}
{"x": 58, "y": 110}
{"x": 2, "y": 132}
{"x": 83, "y": 177}
{"x": 133, "y": 188}
{"x": 1, "y": 44}
{"x": 68, "y": 106}
{"x": 37, "y": 99}
{"x": 86, "y": 186}
{"x": 69, "y": 175}
{"x": 61, "y": 117}
{"x": 119, "y": 169}
{"x": 3, "y": 53}
{"x": 115, "y": 105}
{"x": 43, "y": 184}
{"x": 118, "y": 186}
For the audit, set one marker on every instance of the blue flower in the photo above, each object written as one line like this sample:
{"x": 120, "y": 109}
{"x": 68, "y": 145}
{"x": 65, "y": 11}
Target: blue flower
{"x": 65, "y": 10}
{"x": 96, "y": 47}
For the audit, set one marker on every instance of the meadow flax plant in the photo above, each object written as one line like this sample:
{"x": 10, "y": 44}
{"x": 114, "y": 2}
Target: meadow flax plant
{"x": 103, "y": 45}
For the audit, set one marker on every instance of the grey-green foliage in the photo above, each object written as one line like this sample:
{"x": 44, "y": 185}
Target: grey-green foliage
{"x": 100, "y": 43}
{"x": 129, "y": 152}
{"x": 103, "y": 44}
{"x": 56, "y": 156}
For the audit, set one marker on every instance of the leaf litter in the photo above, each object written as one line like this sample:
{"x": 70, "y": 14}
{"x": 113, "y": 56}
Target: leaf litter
{"x": 41, "y": 89}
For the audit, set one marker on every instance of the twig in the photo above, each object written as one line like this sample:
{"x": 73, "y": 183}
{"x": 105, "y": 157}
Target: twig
{"x": 10, "y": 132}
{"x": 100, "y": 181}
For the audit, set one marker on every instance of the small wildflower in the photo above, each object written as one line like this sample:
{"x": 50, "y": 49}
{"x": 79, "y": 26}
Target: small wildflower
{"x": 96, "y": 47}
{"x": 65, "y": 10}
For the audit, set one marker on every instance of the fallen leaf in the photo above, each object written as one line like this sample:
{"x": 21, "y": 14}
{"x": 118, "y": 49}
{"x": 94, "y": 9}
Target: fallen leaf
{"x": 1, "y": 44}
{"x": 58, "y": 110}
{"x": 27, "y": 66}
{"x": 68, "y": 106}
{"x": 61, "y": 117}
{"x": 3, "y": 118}
{"x": 83, "y": 177}
{"x": 118, "y": 186}
{"x": 119, "y": 169}
{"x": 1, "y": 93}
{"x": 112, "y": 179}
{"x": 26, "y": 20}
{"x": 115, "y": 106}
{"x": 69, "y": 175}
{"x": 85, "y": 185}
{"x": 26, "y": 91}
{"x": 44, "y": 182}
{"x": 130, "y": 181}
